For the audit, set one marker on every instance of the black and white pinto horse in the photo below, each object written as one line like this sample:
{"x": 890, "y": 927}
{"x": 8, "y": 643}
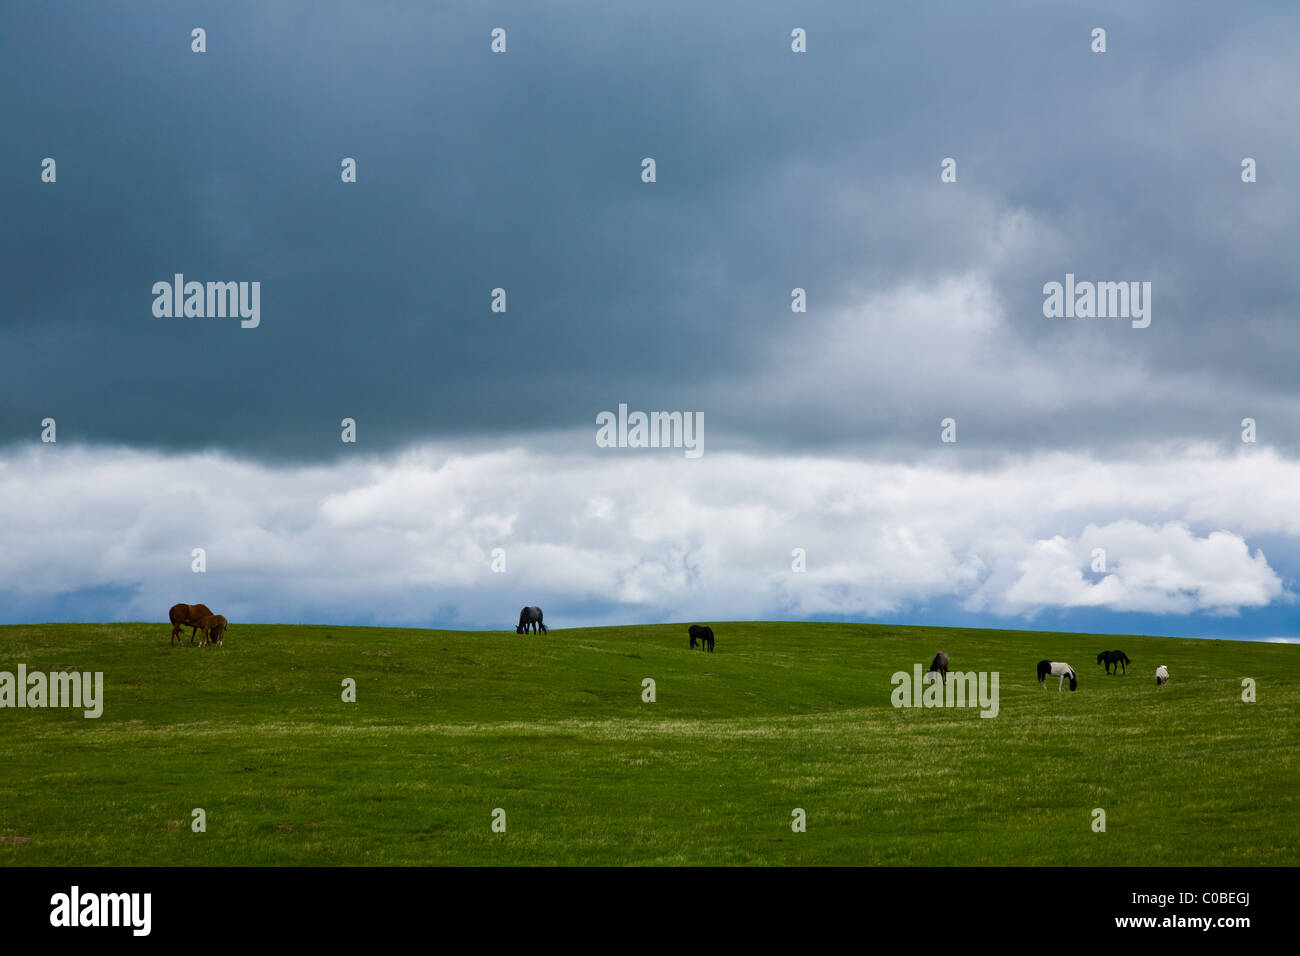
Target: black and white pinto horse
{"x": 940, "y": 666}
{"x": 1115, "y": 659}
{"x": 530, "y": 617}
{"x": 1057, "y": 669}
{"x": 1162, "y": 675}
{"x": 702, "y": 634}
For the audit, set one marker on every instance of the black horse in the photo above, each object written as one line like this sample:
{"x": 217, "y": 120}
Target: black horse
{"x": 703, "y": 635}
{"x": 1116, "y": 659}
{"x": 530, "y": 617}
{"x": 940, "y": 664}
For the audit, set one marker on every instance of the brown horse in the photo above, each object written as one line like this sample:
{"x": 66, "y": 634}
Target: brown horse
{"x": 187, "y": 615}
{"x": 214, "y": 629}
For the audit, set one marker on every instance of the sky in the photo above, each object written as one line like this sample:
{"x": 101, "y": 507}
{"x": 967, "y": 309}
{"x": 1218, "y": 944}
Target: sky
{"x": 477, "y": 483}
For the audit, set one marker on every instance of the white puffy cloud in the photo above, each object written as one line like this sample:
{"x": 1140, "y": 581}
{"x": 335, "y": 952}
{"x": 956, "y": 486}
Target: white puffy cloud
{"x": 641, "y": 535}
{"x": 1165, "y": 569}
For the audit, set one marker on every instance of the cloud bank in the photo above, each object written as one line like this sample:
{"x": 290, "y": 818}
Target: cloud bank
{"x": 643, "y": 535}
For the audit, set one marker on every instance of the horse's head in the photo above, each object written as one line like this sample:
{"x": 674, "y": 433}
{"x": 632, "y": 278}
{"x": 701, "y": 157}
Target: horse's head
{"x": 1100, "y": 656}
{"x": 1074, "y": 681}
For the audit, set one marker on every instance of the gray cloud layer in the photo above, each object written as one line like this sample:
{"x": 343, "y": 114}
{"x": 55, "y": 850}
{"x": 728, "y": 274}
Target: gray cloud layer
{"x": 775, "y": 171}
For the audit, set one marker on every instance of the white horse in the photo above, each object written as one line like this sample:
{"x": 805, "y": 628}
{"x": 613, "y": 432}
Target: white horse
{"x": 1162, "y": 675}
{"x": 1057, "y": 669}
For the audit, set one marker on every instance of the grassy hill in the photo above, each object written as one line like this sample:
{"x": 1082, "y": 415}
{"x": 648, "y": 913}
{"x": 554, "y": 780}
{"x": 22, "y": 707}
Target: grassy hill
{"x": 448, "y": 726}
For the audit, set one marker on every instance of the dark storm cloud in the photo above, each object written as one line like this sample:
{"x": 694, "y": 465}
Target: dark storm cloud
{"x": 522, "y": 171}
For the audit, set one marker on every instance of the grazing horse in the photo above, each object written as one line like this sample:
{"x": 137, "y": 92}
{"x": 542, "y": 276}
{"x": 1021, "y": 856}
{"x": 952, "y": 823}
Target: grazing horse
{"x": 1056, "y": 669}
{"x": 940, "y": 665}
{"x": 1116, "y": 659}
{"x": 187, "y": 615}
{"x": 1162, "y": 675}
{"x": 530, "y": 617}
{"x": 703, "y": 635}
{"x": 214, "y": 629}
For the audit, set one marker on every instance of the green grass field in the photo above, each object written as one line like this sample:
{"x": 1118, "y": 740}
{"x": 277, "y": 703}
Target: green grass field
{"x": 450, "y": 725}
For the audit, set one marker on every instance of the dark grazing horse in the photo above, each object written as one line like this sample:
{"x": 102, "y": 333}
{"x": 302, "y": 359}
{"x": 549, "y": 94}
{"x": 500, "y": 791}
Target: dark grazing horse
{"x": 1116, "y": 659}
{"x": 702, "y": 634}
{"x": 530, "y": 617}
{"x": 187, "y": 615}
{"x": 940, "y": 664}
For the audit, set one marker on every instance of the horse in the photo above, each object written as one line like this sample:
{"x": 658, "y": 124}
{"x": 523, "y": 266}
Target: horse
{"x": 530, "y": 617}
{"x": 939, "y": 664}
{"x": 1114, "y": 659}
{"x": 1162, "y": 675}
{"x": 1057, "y": 669}
{"x": 214, "y": 629}
{"x": 703, "y": 635}
{"x": 187, "y": 615}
